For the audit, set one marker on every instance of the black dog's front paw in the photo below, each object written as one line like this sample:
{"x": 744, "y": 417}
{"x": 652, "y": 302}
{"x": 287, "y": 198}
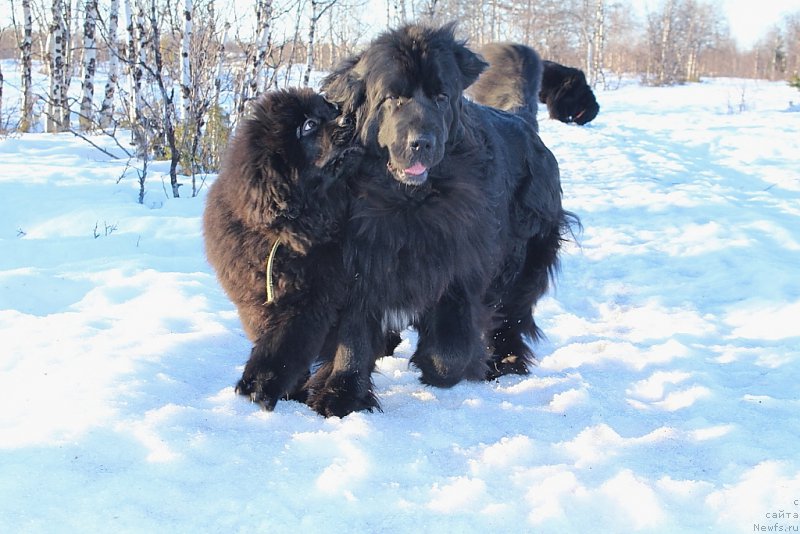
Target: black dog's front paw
{"x": 508, "y": 365}
{"x": 336, "y": 404}
{"x": 337, "y": 399}
{"x": 261, "y": 388}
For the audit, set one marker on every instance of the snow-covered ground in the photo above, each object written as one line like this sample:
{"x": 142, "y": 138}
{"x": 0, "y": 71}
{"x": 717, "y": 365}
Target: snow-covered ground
{"x": 667, "y": 397}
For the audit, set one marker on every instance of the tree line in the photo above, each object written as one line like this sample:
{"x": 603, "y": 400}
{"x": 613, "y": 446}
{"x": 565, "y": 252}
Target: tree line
{"x": 176, "y": 75}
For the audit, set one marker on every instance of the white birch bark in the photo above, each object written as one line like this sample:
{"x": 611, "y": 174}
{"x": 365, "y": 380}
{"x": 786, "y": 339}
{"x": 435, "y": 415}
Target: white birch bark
{"x": 184, "y": 109}
{"x": 312, "y": 28}
{"x": 55, "y": 114}
{"x": 140, "y": 61}
{"x": 27, "y": 80}
{"x": 107, "y": 108}
{"x": 66, "y": 72}
{"x": 1, "y": 98}
{"x": 131, "y": 59}
{"x": 86, "y": 119}
{"x": 263, "y": 29}
{"x": 318, "y": 9}
{"x": 220, "y": 65}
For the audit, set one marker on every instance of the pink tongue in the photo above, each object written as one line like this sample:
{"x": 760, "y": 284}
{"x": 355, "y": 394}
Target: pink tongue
{"x": 416, "y": 169}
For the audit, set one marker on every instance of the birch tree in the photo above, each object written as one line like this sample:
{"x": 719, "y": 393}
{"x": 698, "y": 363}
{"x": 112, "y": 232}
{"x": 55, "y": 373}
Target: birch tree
{"x": 218, "y": 77}
{"x": 89, "y": 64}
{"x": 2, "y": 80}
{"x": 185, "y": 107}
{"x": 107, "y": 108}
{"x": 167, "y": 94}
{"x": 595, "y": 43}
{"x": 26, "y": 121}
{"x": 264, "y": 35}
{"x": 57, "y": 116}
{"x": 318, "y": 9}
{"x": 137, "y": 57}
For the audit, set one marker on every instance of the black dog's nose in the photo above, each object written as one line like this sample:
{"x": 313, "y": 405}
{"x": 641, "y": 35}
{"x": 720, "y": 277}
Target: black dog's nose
{"x": 421, "y": 142}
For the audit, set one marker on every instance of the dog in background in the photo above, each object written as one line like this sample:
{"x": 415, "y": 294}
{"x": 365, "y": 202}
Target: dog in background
{"x": 567, "y": 95}
{"x": 512, "y": 81}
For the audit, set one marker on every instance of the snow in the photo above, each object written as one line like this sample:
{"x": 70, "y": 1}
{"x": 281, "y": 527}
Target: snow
{"x": 666, "y": 398}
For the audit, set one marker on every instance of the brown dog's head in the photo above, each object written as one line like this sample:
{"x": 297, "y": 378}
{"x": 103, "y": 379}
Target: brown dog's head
{"x": 289, "y": 159}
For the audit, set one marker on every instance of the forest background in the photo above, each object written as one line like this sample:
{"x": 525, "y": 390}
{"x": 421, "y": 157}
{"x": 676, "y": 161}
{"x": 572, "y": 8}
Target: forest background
{"x": 169, "y": 79}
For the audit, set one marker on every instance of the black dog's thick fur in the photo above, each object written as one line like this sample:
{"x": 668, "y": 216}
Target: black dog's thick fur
{"x": 456, "y": 220}
{"x": 280, "y": 181}
{"x": 512, "y": 82}
{"x": 567, "y": 95}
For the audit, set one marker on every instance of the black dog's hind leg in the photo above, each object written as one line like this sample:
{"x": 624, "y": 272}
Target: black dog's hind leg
{"x": 451, "y": 346}
{"x": 344, "y": 385}
{"x": 511, "y": 351}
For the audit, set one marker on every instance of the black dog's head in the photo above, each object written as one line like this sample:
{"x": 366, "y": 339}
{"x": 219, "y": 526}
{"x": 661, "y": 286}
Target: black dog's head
{"x": 567, "y": 95}
{"x": 406, "y": 91}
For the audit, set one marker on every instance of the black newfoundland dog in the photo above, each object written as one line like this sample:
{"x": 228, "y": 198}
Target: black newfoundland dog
{"x": 512, "y": 82}
{"x": 567, "y": 95}
{"x": 456, "y": 220}
{"x": 272, "y": 228}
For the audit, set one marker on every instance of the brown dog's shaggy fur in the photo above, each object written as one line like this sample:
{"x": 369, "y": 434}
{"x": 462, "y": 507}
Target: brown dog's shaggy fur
{"x": 512, "y": 82}
{"x": 280, "y": 183}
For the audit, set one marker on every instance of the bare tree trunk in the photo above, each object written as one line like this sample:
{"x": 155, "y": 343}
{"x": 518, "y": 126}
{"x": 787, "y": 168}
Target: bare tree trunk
{"x": 55, "y": 112}
{"x": 220, "y": 65}
{"x": 89, "y": 64}
{"x": 67, "y": 71}
{"x": 263, "y": 30}
{"x": 295, "y": 39}
{"x": 598, "y": 41}
{"x": 26, "y": 122}
{"x": 107, "y": 108}
{"x": 312, "y": 28}
{"x": 168, "y": 101}
{"x": 666, "y": 41}
{"x": 316, "y": 14}
{"x": 185, "y": 109}
{"x": 1, "y": 99}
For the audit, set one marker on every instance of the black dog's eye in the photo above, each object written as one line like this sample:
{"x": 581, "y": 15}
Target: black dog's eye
{"x": 309, "y": 127}
{"x": 395, "y": 101}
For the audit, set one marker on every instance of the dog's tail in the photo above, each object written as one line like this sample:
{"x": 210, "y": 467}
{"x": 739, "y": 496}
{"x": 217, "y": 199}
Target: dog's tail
{"x": 512, "y": 81}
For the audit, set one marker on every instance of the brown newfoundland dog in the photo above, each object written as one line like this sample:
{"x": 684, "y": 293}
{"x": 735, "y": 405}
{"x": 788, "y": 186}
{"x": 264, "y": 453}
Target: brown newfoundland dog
{"x": 456, "y": 220}
{"x": 512, "y": 82}
{"x": 272, "y": 224}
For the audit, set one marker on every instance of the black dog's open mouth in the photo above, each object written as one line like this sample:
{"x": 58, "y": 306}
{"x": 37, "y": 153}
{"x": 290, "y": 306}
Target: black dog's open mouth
{"x": 416, "y": 174}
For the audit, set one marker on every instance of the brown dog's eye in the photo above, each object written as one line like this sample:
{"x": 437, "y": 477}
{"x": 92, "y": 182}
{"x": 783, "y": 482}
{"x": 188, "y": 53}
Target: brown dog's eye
{"x": 309, "y": 127}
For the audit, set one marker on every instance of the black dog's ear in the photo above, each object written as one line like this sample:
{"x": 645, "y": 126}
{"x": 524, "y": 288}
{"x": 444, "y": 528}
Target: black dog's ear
{"x": 469, "y": 63}
{"x": 344, "y": 86}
